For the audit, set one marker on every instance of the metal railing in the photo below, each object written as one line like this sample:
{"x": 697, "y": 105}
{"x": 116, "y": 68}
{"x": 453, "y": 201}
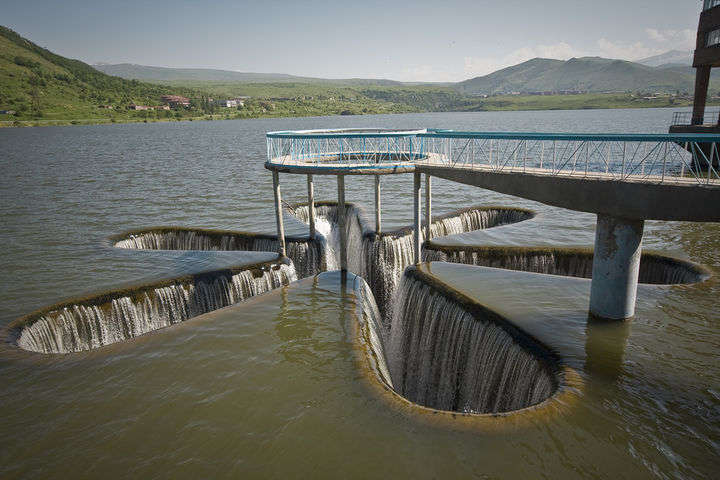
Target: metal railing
{"x": 345, "y": 146}
{"x": 657, "y": 158}
{"x": 661, "y": 158}
{"x": 686, "y": 118}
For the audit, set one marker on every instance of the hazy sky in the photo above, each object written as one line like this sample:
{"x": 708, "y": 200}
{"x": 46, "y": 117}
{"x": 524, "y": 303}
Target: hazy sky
{"x": 422, "y": 40}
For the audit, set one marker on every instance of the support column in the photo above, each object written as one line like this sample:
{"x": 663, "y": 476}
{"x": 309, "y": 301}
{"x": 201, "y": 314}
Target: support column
{"x": 279, "y": 212}
{"x": 428, "y": 208}
{"x": 311, "y": 205}
{"x": 378, "y": 226}
{"x": 616, "y": 266}
{"x": 416, "y": 196}
{"x": 341, "y": 224}
{"x": 702, "y": 80}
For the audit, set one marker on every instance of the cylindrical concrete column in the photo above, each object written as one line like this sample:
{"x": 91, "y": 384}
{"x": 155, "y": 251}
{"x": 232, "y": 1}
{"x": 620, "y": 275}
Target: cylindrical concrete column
{"x": 342, "y": 223}
{"x": 428, "y": 208}
{"x": 378, "y": 226}
{"x": 279, "y": 212}
{"x": 616, "y": 266}
{"x": 311, "y": 205}
{"x": 416, "y": 197}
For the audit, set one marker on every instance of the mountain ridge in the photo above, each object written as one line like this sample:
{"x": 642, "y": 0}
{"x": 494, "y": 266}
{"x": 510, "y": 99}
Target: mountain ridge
{"x": 582, "y": 74}
{"x": 174, "y": 75}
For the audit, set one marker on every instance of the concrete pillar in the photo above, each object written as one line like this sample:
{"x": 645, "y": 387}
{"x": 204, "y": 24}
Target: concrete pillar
{"x": 311, "y": 205}
{"x": 616, "y": 266}
{"x": 428, "y": 208}
{"x": 416, "y": 196}
{"x": 279, "y": 212}
{"x": 702, "y": 80}
{"x": 378, "y": 226}
{"x": 341, "y": 224}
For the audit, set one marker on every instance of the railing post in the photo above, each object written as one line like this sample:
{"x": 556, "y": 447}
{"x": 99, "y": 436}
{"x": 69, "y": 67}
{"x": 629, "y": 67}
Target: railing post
{"x": 428, "y": 207}
{"x": 378, "y": 227}
{"x": 416, "y": 198}
{"x": 279, "y": 212}
{"x": 311, "y": 205}
{"x": 341, "y": 224}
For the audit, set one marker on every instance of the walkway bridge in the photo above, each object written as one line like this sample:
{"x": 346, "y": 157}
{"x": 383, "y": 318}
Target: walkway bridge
{"x": 623, "y": 178}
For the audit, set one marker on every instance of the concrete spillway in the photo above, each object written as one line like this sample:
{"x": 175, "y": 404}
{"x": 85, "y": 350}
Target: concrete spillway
{"x": 447, "y": 354}
{"x": 92, "y": 322}
{"x": 307, "y": 254}
{"x": 655, "y": 269}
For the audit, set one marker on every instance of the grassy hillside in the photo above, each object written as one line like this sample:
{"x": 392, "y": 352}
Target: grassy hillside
{"x": 39, "y": 84}
{"x": 588, "y": 74}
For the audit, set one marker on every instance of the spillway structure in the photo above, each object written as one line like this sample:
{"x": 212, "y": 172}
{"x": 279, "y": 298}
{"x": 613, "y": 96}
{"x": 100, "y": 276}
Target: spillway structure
{"x": 435, "y": 351}
{"x": 625, "y": 179}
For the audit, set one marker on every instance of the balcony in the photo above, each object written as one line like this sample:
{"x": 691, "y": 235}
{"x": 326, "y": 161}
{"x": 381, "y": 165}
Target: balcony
{"x": 686, "y": 118}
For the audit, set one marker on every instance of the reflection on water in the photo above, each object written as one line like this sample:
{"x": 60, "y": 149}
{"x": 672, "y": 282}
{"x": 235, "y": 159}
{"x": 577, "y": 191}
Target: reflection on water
{"x": 605, "y": 347}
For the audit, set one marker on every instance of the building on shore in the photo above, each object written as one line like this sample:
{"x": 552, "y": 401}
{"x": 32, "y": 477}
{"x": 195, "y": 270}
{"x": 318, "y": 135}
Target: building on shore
{"x": 175, "y": 101}
{"x": 227, "y": 103}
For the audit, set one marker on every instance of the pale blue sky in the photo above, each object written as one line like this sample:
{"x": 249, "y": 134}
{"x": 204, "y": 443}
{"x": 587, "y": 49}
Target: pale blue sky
{"x": 422, "y": 40}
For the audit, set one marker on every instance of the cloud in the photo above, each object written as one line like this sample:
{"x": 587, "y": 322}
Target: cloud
{"x": 482, "y": 66}
{"x": 626, "y": 51}
{"x": 657, "y": 42}
{"x": 680, "y": 39}
{"x": 426, "y": 73}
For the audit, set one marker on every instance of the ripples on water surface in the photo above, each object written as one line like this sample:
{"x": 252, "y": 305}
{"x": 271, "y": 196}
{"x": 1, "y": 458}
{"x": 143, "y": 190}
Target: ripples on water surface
{"x": 269, "y": 388}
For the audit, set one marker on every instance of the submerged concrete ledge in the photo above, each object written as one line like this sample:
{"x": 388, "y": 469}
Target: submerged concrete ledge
{"x": 655, "y": 268}
{"x": 93, "y": 321}
{"x": 565, "y": 384}
{"x": 306, "y": 253}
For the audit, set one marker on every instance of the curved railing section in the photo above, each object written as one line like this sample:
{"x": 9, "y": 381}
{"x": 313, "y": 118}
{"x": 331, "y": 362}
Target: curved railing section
{"x": 346, "y": 149}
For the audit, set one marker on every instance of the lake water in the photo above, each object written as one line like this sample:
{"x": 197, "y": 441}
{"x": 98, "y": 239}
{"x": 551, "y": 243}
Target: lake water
{"x": 270, "y": 388}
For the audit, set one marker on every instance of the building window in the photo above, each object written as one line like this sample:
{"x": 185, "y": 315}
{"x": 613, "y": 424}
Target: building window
{"x": 708, "y": 4}
{"x": 713, "y": 38}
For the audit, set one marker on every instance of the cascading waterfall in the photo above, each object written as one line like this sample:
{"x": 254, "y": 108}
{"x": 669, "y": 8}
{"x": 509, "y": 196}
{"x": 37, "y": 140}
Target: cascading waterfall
{"x": 443, "y": 356}
{"x": 381, "y": 259}
{"x": 372, "y": 330}
{"x": 326, "y": 224}
{"x": 574, "y": 262}
{"x": 118, "y": 316}
{"x": 307, "y": 255}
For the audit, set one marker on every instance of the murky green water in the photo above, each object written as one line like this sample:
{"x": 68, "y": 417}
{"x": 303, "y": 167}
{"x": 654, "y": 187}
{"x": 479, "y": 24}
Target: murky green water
{"x": 270, "y": 388}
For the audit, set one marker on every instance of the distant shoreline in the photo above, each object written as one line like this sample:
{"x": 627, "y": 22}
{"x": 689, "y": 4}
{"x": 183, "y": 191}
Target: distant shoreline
{"x": 224, "y": 116}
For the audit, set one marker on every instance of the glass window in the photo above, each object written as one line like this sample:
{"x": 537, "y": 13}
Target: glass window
{"x": 713, "y": 38}
{"x": 708, "y": 4}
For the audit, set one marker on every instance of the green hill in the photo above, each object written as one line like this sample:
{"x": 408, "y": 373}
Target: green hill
{"x": 194, "y": 75}
{"x": 37, "y": 83}
{"x": 587, "y": 74}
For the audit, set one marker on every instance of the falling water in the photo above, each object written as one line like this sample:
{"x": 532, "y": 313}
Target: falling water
{"x": 372, "y": 330}
{"x": 381, "y": 259}
{"x": 307, "y": 255}
{"x": 442, "y": 356}
{"x": 105, "y": 320}
{"x": 574, "y": 262}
